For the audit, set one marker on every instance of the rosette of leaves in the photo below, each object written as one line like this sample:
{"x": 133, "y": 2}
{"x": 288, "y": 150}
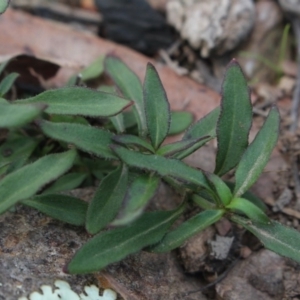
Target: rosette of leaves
{"x": 117, "y": 136}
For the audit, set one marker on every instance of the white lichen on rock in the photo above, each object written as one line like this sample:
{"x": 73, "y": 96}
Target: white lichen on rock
{"x": 63, "y": 291}
{"x": 209, "y": 25}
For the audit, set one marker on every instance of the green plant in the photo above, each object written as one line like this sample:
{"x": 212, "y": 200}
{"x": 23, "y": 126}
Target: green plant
{"x": 125, "y": 151}
{"x": 3, "y": 5}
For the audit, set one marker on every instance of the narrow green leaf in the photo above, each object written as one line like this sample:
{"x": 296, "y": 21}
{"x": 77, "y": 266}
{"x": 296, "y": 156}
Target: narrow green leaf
{"x": 180, "y": 121}
{"x": 61, "y": 207}
{"x": 94, "y": 70}
{"x": 114, "y": 245}
{"x": 129, "y": 119}
{"x": 249, "y": 209}
{"x": 205, "y": 126}
{"x": 7, "y": 82}
{"x": 182, "y": 148}
{"x": 157, "y": 107}
{"x": 221, "y": 189}
{"x": 80, "y": 101}
{"x": 130, "y": 86}
{"x": 139, "y": 193}
{"x": 276, "y": 237}
{"x": 118, "y": 120}
{"x": 187, "y": 229}
{"x": 107, "y": 200}
{"x": 68, "y": 119}
{"x": 65, "y": 183}
{"x": 249, "y": 196}
{"x": 132, "y": 140}
{"x": 15, "y": 165}
{"x": 203, "y": 201}
{"x": 3, "y": 101}
{"x": 25, "y": 182}
{"x": 16, "y": 147}
{"x": 3, "y": 6}
{"x": 161, "y": 165}
{"x": 235, "y": 119}
{"x": 14, "y": 115}
{"x": 86, "y": 138}
{"x": 257, "y": 154}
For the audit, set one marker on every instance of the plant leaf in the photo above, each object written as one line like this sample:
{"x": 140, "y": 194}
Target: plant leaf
{"x": 205, "y": 126}
{"x": 130, "y": 86}
{"x": 249, "y": 209}
{"x": 180, "y": 121}
{"x": 17, "y": 147}
{"x": 68, "y": 119}
{"x": 79, "y": 101}
{"x": 220, "y": 188}
{"x": 182, "y": 148}
{"x": 7, "y": 82}
{"x": 3, "y": 6}
{"x": 139, "y": 193}
{"x": 274, "y": 236}
{"x": 118, "y": 120}
{"x": 107, "y": 201}
{"x": 235, "y": 119}
{"x": 257, "y": 154}
{"x": 202, "y": 200}
{"x": 161, "y": 165}
{"x": 157, "y": 107}
{"x": 25, "y": 182}
{"x": 66, "y": 182}
{"x": 13, "y": 115}
{"x": 61, "y": 207}
{"x": 114, "y": 245}
{"x": 187, "y": 229}
{"x": 87, "y": 138}
{"x": 250, "y": 197}
{"x": 94, "y": 70}
{"x": 129, "y": 119}
{"x": 133, "y": 140}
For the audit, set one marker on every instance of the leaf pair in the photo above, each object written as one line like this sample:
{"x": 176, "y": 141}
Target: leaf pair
{"x": 28, "y": 180}
{"x": 151, "y": 104}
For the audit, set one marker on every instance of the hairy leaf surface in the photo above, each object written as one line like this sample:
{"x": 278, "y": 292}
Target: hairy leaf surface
{"x": 133, "y": 140}
{"x": 157, "y": 107}
{"x": 205, "y": 126}
{"x": 14, "y": 115}
{"x": 61, "y": 207}
{"x": 26, "y": 181}
{"x": 86, "y": 138}
{"x": 107, "y": 200}
{"x": 114, "y": 245}
{"x": 180, "y": 121}
{"x": 139, "y": 193}
{"x": 187, "y": 229}
{"x": 161, "y": 165}
{"x": 182, "y": 148}
{"x": 249, "y": 209}
{"x": 274, "y": 236}
{"x": 7, "y": 82}
{"x": 257, "y": 154}
{"x": 80, "y": 101}
{"x": 66, "y": 182}
{"x": 130, "y": 86}
{"x": 234, "y": 121}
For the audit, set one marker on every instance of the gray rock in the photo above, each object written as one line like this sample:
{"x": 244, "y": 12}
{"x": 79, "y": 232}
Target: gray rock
{"x": 208, "y": 25}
